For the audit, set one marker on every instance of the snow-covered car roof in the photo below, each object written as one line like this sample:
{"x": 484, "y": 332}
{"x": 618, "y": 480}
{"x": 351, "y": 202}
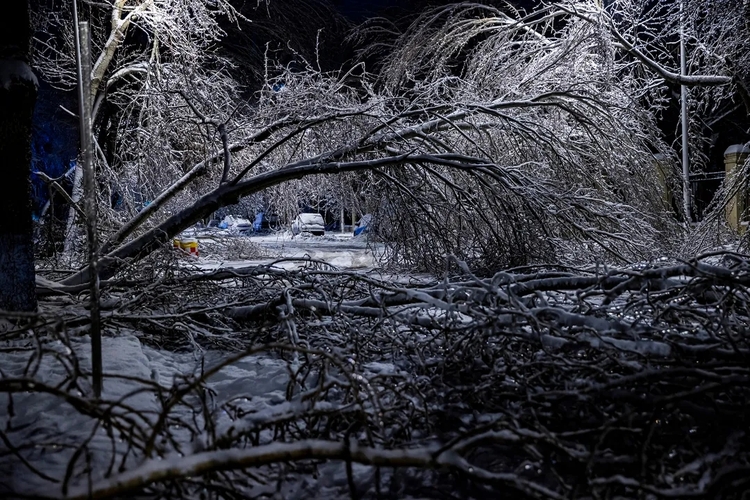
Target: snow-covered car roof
{"x": 311, "y": 218}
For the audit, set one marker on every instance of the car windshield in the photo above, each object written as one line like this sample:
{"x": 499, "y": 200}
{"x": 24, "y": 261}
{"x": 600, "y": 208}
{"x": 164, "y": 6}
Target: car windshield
{"x": 311, "y": 219}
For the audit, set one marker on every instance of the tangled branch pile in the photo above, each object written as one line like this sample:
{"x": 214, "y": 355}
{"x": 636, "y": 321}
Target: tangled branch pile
{"x": 551, "y": 383}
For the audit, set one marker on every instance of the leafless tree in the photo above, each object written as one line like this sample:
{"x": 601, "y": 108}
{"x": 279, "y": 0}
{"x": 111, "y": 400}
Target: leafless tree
{"x": 715, "y": 36}
{"x": 138, "y": 47}
{"x": 445, "y": 89}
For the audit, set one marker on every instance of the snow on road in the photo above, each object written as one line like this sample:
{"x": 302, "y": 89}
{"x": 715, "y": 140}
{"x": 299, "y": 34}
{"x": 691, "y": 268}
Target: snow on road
{"x": 341, "y": 250}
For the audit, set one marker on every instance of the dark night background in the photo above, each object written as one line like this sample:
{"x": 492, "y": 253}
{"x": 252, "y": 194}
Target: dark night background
{"x": 358, "y": 10}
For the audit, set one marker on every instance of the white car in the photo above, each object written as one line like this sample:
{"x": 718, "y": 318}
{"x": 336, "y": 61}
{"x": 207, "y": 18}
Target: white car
{"x": 309, "y": 223}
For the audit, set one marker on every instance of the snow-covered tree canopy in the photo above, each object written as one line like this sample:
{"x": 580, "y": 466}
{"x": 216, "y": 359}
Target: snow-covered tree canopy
{"x": 523, "y": 136}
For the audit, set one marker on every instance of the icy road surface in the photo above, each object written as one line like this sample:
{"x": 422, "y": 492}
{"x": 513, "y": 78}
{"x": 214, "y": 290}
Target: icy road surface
{"x": 341, "y": 250}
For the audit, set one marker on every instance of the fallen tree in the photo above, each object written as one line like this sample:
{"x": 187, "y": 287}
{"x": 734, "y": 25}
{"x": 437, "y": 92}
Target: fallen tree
{"x": 547, "y": 382}
{"x": 509, "y": 153}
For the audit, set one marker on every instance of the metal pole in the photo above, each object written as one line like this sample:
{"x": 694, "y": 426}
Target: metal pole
{"x": 686, "y": 192}
{"x": 83, "y": 53}
{"x": 78, "y": 55}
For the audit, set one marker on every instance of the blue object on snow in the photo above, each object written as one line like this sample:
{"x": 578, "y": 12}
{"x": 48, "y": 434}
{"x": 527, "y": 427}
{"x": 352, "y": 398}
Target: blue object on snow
{"x": 223, "y": 225}
{"x": 363, "y": 225}
{"x": 260, "y": 218}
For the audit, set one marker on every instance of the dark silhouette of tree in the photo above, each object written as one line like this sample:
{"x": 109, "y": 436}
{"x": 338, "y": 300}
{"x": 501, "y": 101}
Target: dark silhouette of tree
{"x": 18, "y": 89}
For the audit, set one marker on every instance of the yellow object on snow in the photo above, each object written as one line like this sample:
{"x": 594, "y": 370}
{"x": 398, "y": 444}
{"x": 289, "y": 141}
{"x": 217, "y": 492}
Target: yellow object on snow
{"x": 190, "y": 246}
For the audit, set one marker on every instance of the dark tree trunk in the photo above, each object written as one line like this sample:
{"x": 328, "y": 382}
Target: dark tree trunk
{"x": 18, "y": 89}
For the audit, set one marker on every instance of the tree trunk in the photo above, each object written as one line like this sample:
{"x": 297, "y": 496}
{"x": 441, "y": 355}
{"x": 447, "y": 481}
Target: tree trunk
{"x": 18, "y": 90}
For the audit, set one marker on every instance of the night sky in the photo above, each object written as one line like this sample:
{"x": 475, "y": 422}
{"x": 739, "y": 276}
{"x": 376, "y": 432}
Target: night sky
{"x": 358, "y": 10}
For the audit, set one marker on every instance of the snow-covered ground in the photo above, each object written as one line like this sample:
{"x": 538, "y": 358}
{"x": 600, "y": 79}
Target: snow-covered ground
{"x": 54, "y": 429}
{"x": 65, "y": 445}
{"x": 284, "y": 250}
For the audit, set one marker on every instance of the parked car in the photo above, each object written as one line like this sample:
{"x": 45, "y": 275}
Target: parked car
{"x": 309, "y": 223}
{"x": 237, "y": 225}
{"x": 244, "y": 227}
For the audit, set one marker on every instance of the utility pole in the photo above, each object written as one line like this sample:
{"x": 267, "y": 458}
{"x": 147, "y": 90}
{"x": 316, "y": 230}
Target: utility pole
{"x": 83, "y": 56}
{"x": 686, "y": 192}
